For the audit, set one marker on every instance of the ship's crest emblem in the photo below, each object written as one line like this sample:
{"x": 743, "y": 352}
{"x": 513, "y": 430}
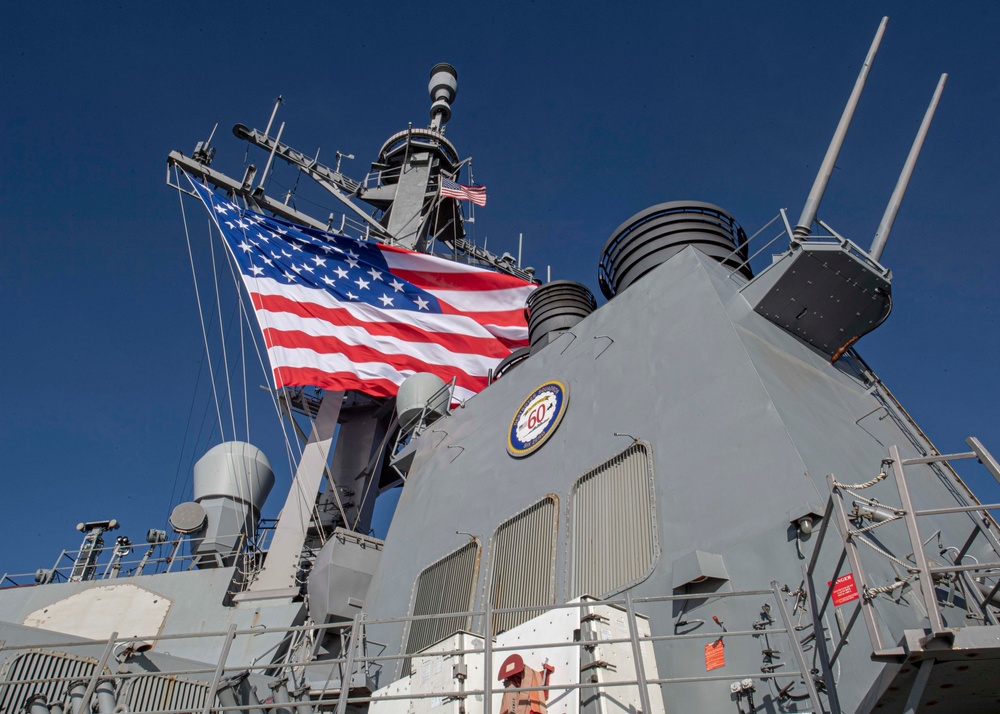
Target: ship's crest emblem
{"x": 537, "y": 418}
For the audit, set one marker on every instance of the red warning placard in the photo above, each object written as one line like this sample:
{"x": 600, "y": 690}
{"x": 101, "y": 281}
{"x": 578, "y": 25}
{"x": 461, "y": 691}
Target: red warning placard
{"x": 715, "y": 655}
{"x": 844, "y": 590}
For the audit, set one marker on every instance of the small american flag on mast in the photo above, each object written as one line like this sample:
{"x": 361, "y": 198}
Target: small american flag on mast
{"x": 461, "y": 192}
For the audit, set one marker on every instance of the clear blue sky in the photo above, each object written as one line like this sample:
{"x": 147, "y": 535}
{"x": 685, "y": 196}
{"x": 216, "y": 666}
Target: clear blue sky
{"x": 577, "y": 115}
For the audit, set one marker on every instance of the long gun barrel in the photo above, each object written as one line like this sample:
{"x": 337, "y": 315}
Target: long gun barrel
{"x": 804, "y": 227}
{"x": 882, "y": 234}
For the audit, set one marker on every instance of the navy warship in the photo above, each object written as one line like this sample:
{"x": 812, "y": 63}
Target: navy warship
{"x": 695, "y": 497}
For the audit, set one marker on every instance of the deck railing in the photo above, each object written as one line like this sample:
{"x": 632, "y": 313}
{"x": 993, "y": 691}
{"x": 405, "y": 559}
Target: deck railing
{"x": 288, "y": 685}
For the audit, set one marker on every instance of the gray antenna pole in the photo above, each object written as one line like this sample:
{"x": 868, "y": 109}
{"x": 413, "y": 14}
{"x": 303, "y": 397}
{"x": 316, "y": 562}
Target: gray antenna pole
{"x": 882, "y": 234}
{"x": 274, "y": 112}
{"x": 270, "y": 159}
{"x": 804, "y": 227}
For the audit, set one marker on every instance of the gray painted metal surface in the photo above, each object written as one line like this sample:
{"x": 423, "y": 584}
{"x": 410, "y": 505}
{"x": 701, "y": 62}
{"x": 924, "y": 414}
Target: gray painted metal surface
{"x": 744, "y": 419}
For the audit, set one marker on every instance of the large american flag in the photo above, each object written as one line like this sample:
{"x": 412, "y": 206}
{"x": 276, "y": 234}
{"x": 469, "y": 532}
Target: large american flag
{"x": 342, "y": 314}
{"x": 476, "y": 194}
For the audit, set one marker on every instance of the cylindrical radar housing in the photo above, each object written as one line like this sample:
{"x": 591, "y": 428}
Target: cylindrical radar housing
{"x": 419, "y": 391}
{"x": 234, "y": 469}
{"x": 443, "y": 88}
{"x": 231, "y": 482}
{"x": 651, "y": 237}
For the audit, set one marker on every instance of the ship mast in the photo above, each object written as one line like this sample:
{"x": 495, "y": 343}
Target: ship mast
{"x": 404, "y": 205}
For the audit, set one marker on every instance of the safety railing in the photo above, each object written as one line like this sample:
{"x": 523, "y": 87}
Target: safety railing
{"x": 162, "y": 555}
{"x": 978, "y": 582}
{"x": 348, "y": 681}
{"x": 785, "y": 231}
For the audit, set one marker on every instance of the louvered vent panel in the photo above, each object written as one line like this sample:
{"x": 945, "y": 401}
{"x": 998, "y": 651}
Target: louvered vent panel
{"x": 162, "y": 693}
{"x": 612, "y": 524}
{"x": 445, "y": 586}
{"x": 523, "y": 561}
{"x": 25, "y": 669}
{"x": 142, "y": 693}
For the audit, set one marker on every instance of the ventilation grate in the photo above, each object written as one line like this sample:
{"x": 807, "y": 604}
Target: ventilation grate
{"x": 45, "y": 673}
{"x": 446, "y": 586}
{"x": 523, "y": 556}
{"x": 613, "y": 524}
{"x": 163, "y": 693}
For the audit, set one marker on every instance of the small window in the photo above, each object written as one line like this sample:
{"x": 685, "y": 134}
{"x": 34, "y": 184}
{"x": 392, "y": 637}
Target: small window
{"x": 612, "y": 524}
{"x": 446, "y": 586}
{"x": 523, "y": 553}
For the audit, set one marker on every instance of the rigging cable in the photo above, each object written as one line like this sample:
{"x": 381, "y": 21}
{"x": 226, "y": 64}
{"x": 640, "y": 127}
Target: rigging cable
{"x": 248, "y": 327}
{"x": 197, "y": 294}
{"x": 241, "y": 296}
{"x": 222, "y": 334}
{"x": 187, "y": 430}
{"x": 201, "y": 437}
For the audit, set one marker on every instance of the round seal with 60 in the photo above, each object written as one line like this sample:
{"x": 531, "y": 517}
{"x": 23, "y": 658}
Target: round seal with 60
{"x": 537, "y": 418}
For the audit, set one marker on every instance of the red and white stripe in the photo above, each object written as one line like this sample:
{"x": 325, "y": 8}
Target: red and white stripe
{"x": 476, "y": 194}
{"x": 313, "y": 338}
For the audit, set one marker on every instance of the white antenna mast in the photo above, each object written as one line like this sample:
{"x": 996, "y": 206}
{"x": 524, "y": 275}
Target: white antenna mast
{"x": 804, "y": 227}
{"x": 274, "y": 112}
{"x": 882, "y": 234}
{"x": 270, "y": 159}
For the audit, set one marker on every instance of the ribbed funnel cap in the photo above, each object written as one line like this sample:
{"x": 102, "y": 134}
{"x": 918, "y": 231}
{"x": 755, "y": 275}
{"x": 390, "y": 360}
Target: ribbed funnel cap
{"x": 554, "y": 308}
{"x": 654, "y": 235}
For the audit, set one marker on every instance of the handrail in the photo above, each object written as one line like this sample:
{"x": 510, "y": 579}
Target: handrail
{"x": 919, "y": 571}
{"x": 357, "y": 658}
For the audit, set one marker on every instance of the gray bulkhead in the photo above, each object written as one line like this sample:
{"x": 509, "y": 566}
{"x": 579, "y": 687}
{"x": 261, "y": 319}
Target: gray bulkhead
{"x": 745, "y": 422}
{"x": 197, "y": 601}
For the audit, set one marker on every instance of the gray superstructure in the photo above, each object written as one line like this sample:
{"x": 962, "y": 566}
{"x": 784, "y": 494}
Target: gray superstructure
{"x": 694, "y": 497}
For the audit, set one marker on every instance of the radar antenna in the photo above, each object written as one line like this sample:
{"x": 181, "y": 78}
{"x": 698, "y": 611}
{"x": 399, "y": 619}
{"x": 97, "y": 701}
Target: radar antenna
{"x": 443, "y": 88}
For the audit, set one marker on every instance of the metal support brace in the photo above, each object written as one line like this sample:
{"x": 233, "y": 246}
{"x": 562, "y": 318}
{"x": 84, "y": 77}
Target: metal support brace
{"x": 217, "y": 675}
{"x": 347, "y": 674}
{"x": 488, "y": 655}
{"x": 99, "y": 670}
{"x": 923, "y": 568}
{"x": 923, "y": 674}
{"x": 800, "y": 658}
{"x": 640, "y": 668}
{"x": 819, "y": 637}
{"x": 985, "y": 457}
{"x": 855, "y": 561}
{"x": 282, "y": 562}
